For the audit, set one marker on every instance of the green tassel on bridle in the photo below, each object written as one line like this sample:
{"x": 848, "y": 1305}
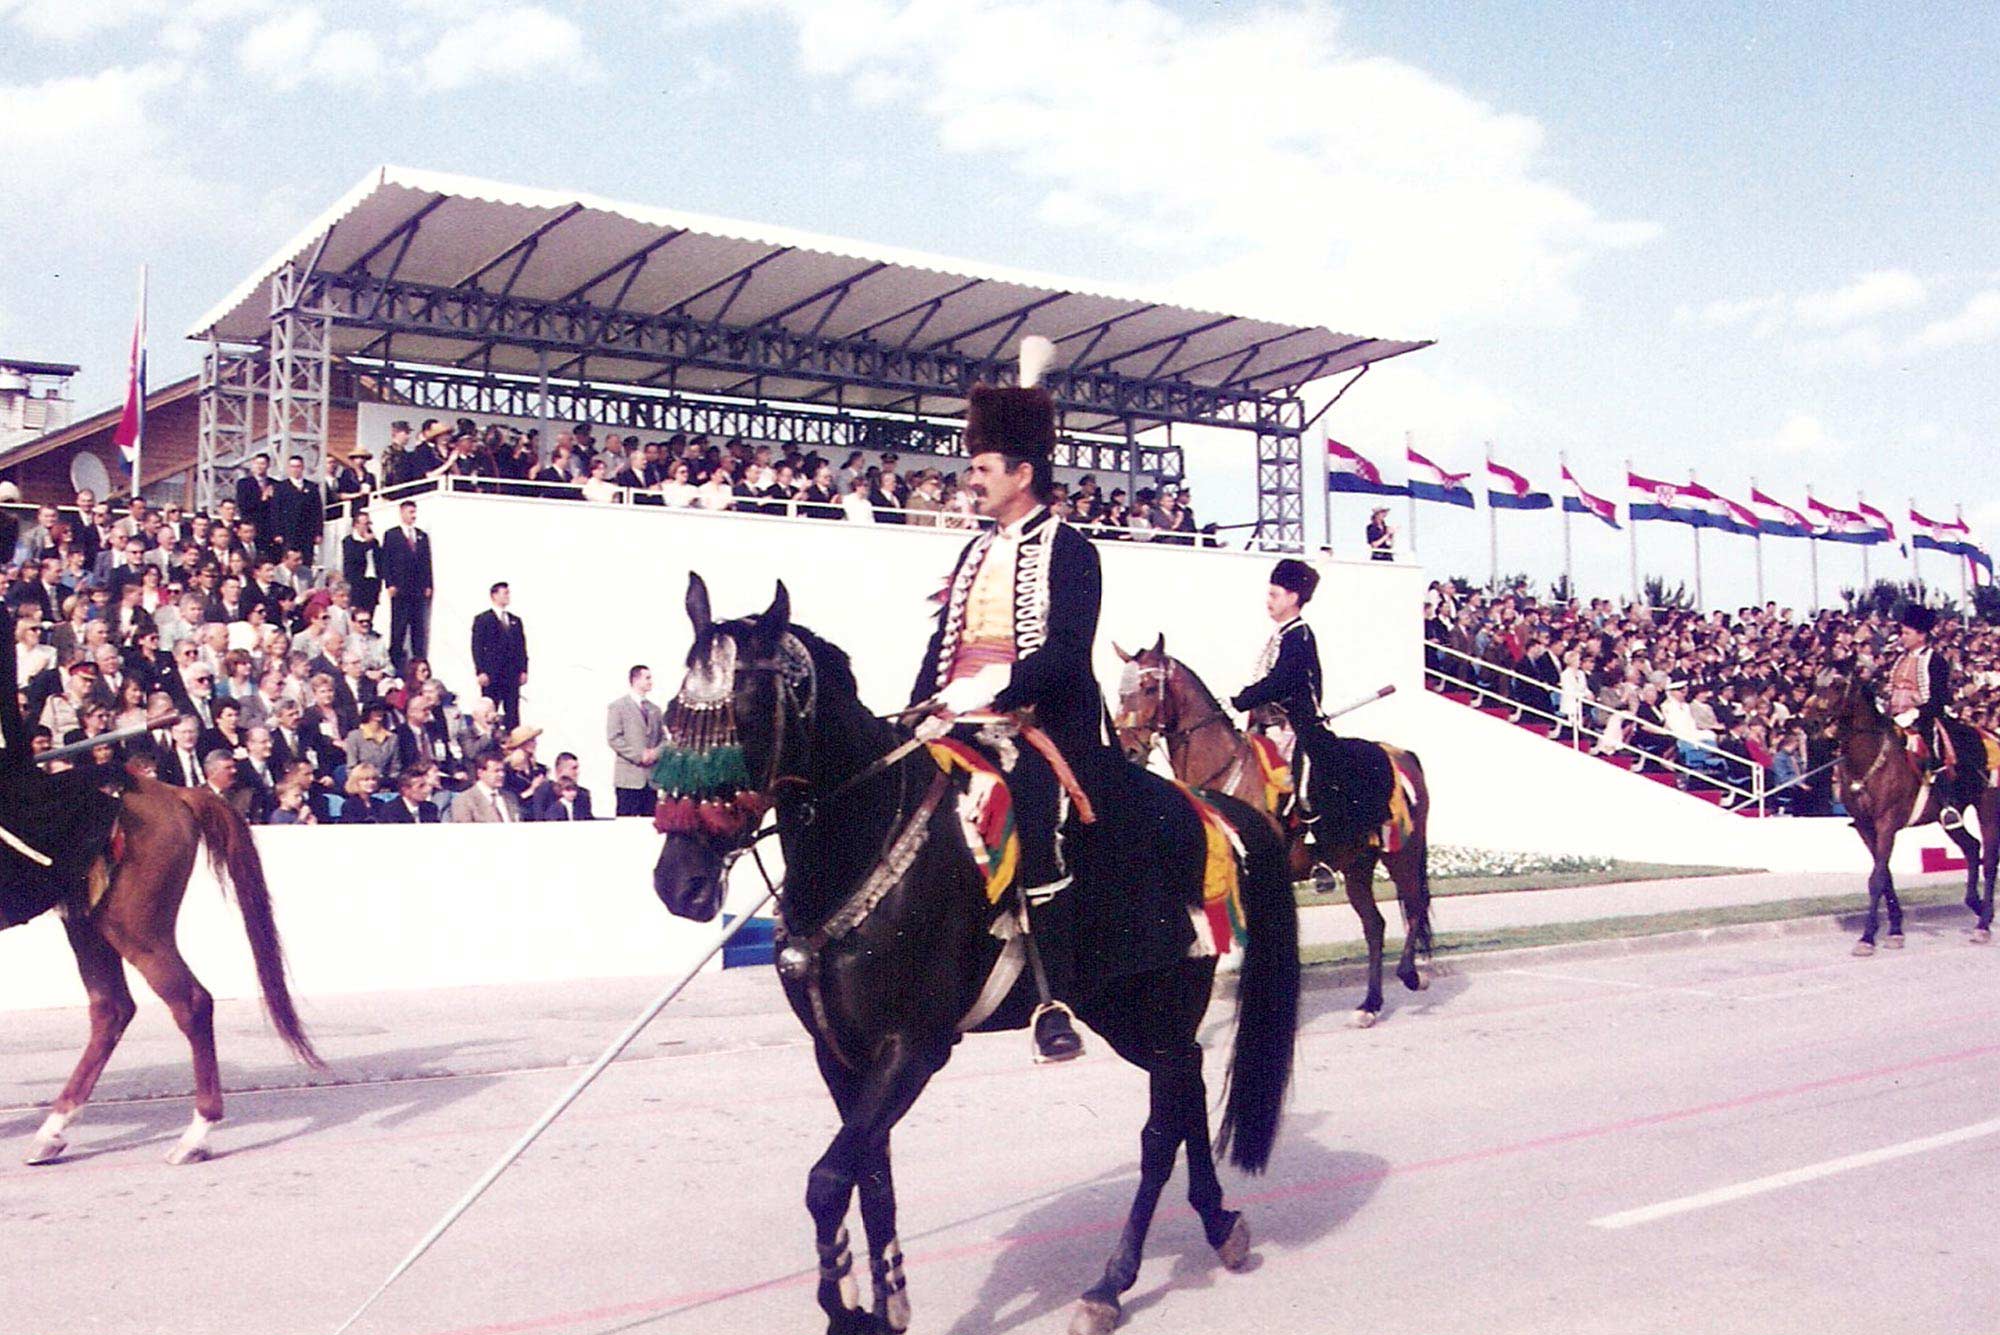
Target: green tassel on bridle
{"x": 701, "y": 754}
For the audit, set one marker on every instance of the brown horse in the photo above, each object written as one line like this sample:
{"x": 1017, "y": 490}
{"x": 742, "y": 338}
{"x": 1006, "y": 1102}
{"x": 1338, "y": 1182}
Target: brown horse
{"x": 161, "y": 827}
{"x": 1882, "y": 787}
{"x": 1161, "y": 697}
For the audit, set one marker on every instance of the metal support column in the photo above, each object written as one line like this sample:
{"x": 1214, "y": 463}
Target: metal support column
{"x": 300, "y": 376}
{"x": 1281, "y": 520}
{"x": 231, "y": 383}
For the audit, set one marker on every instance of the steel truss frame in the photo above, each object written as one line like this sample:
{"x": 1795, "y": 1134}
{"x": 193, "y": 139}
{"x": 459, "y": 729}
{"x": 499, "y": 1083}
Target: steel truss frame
{"x": 308, "y": 303}
{"x": 724, "y": 418}
{"x": 232, "y": 380}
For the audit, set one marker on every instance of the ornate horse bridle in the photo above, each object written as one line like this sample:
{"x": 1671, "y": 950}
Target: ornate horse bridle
{"x": 1158, "y": 677}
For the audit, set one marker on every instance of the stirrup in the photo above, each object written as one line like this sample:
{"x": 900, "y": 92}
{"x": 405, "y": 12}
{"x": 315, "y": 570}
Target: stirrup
{"x": 1950, "y": 818}
{"x": 1061, "y": 1043}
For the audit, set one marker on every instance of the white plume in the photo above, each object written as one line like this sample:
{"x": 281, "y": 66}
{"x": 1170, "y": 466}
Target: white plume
{"x": 1036, "y": 354}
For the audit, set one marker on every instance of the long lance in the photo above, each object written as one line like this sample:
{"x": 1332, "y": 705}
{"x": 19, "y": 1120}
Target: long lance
{"x": 155, "y": 724}
{"x": 542, "y": 1123}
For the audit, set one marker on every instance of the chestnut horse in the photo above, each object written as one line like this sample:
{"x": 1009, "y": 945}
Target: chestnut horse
{"x": 161, "y": 827}
{"x": 1161, "y": 697}
{"x": 1882, "y": 787}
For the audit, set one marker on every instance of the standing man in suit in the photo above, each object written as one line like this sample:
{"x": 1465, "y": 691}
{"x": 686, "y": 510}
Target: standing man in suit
{"x": 500, "y": 654}
{"x": 633, "y": 726}
{"x": 181, "y": 763}
{"x": 487, "y": 801}
{"x": 253, "y": 501}
{"x": 361, "y": 562}
{"x": 406, "y": 578}
{"x": 298, "y": 510}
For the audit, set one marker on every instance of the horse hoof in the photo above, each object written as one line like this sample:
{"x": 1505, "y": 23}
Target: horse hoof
{"x": 1093, "y": 1316}
{"x": 1863, "y": 949}
{"x": 1980, "y": 936}
{"x": 1416, "y": 982}
{"x": 1361, "y": 1020}
{"x": 1893, "y": 942}
{"x": 181, "y": 1155}
{"x": 1234, "y": 1253}
{"x": 46, "y": 1149}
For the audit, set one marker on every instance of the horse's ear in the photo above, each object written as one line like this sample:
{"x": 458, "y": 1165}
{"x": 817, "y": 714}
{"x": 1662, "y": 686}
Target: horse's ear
{"x": 777, "y": 618}
{"x": 1160, "y": 646}
{"x": 697, "y": 604}
{"x": 1123, "y": 657}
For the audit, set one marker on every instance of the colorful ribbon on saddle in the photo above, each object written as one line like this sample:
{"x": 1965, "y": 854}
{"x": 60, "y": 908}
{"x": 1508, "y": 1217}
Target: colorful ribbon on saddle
{"x": 985, "y": 813}
{"x": 1274, "y": 770}
{"x": 1396, "y": 831}
{"x": 1221, "y": 890}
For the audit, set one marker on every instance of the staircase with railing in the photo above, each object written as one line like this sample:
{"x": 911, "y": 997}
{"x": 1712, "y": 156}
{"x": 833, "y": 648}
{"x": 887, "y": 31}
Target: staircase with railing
{"x": 1700, "y": 770}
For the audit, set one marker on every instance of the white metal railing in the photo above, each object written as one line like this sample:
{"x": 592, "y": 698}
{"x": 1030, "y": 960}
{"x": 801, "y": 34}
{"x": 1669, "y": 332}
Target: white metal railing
{"x": 1759, "y": 792}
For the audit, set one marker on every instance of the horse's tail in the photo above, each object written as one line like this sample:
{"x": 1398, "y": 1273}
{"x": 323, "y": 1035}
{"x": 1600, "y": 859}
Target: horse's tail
{"x": 1417, "y": 906}
{"x": 1267, "y": 996}
{"x": 232, "y": 856}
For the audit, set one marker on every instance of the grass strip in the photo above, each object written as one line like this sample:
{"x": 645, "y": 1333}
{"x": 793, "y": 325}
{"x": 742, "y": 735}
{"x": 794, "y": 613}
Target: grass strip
{"x": 1647, "y": 924}
{"x": 1443, "y": 886}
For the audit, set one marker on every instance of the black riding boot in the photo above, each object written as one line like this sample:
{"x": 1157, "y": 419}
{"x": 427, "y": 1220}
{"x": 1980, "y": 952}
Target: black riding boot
{"x": 1052, "y": 954}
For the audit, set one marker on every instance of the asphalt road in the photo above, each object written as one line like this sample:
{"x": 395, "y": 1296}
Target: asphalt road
{"x": 1759, "y": 1137}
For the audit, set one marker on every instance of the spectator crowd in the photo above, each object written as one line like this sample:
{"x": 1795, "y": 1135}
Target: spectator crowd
{"x": 1718, "y": 693}
{"x": 293, "y": 702}
{"x": 695, "y": 472}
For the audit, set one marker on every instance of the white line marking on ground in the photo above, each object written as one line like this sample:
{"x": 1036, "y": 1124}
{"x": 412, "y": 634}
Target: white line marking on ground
{"x": 1615, "y": 982}
{"x": 1794, "y": 992}
{"x": 1810, "y": 1173}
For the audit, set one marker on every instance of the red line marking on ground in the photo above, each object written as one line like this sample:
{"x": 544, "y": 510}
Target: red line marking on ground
{"x": 1320, "y": 1187}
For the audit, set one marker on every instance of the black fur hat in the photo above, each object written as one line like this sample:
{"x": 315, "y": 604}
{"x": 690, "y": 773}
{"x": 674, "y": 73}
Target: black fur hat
{"x": 1919, "y": 618}
{"x": 1296, "y": 576}
{"x": 1019, "y": 423}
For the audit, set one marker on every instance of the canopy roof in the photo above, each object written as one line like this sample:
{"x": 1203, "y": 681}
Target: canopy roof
{"x": 448, "y": 231}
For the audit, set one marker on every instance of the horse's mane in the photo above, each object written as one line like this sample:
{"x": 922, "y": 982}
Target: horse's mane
{"x": 1200, "y": 687}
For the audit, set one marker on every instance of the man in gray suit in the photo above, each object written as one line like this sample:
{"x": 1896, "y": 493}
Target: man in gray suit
{"x": 633, "y": 726}
{"x": 487, "y": 801}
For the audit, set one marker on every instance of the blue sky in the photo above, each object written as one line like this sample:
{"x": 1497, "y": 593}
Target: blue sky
{"x": 1750, "y": 242}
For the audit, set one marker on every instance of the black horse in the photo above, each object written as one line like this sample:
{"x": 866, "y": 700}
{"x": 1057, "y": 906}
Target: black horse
{"x": 888, "y": 944}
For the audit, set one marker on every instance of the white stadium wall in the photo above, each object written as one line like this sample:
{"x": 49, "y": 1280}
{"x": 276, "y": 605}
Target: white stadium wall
{"x": 600, "y": 587}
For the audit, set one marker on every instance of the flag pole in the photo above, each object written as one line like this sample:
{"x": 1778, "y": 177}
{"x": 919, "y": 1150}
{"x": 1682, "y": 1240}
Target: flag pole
{"x": 1569, "y": 580}
{"x": 1916, "y": 563}
{"x": 1700, "y": 603}
{"x": 1410, "y": 443}
{"x": 1964, "y": 571}
{"x": 1812, "y": 551}
{"x": 1866, "y": 578}
{"x": 1326, "y": 490}
{"x": 1632, "y": 532}
{"x": 1758, "y": 538}
{"x": 139, "y": 441}
{"x": 1492, "y": 525}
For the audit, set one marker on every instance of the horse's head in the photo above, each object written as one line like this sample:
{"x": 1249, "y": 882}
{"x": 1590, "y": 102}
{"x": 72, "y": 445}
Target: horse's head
{"x": 1840, "y": 703}
{"x": 1144, "y": 710}
{"x": 735, "y": 729}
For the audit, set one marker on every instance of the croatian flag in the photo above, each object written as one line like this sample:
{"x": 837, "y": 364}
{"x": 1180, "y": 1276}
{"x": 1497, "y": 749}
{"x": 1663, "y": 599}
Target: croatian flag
{"x": 1580, "y": 502}
{"x": 1673, "y": 502}
{"x": 131, "y": 431}
{"x": 1982, "y": 566}
{"x": 1736, "y": 518}
{"x": 1877, "y": 520}
{"x": 1940, "y": 535}
{"x": 1776, "y": 519}
{"x": 1838, "y": 525}
{"x": 1428, "y": 482}
{"x": 1508, "y": 490}
{"x": 1346, "y": 470}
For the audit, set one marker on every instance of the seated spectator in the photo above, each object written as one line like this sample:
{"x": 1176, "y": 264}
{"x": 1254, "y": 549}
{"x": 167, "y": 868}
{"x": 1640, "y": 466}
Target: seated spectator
{"x": 855, "y": 505}
{"x": 412, "y": 804}
{"x": 372, "y": 743}
{"x": 525, "y": 776}
{"x": 561, "y": 798}
{"x": 486, "y": 800}
{"x": 360, "y": 806}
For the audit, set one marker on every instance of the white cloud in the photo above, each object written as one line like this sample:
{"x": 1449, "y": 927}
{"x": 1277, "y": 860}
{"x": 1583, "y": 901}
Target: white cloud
{"x": 294, "y": 49}
{"x": 77, "y": 20}
{"x": 1979, "y": 322}
{"x": 1761, "y": 315}
{"x": 81, "y": 145}
{"x": 1869, "y": 295}
{"x": 1801, "y": 436}
{"x": 1317, "y": 182}
{"x": 503, "y": 44}
{"x": 1855, "y": 347}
